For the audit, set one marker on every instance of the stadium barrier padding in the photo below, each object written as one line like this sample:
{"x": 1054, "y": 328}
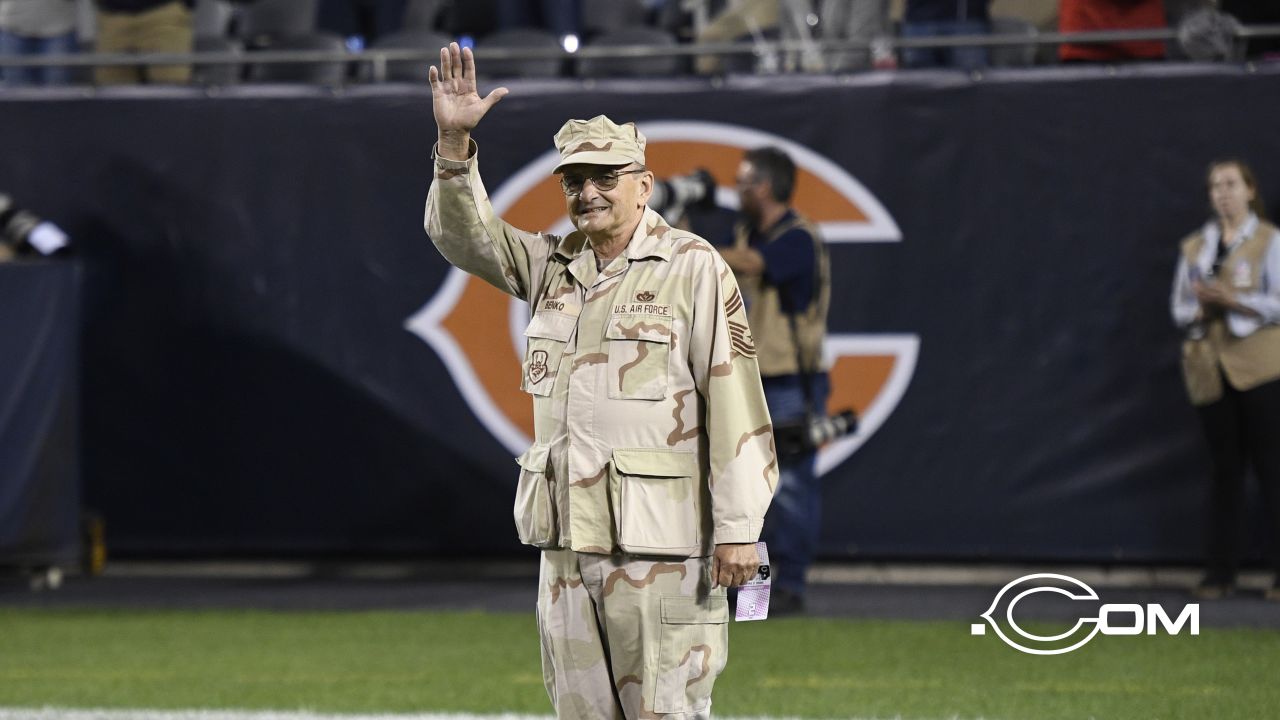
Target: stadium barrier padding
{"x": 253, "y": 256}
{"x": 39, "y": 402}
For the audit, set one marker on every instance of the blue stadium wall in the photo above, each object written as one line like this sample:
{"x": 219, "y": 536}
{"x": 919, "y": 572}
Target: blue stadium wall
{"x": 251, "y": 257}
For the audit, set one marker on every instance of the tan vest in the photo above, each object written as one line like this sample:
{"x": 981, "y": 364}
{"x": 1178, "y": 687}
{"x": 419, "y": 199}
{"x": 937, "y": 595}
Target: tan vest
{"x": 1247, "y": 361}
{"x": 771, "y": 328}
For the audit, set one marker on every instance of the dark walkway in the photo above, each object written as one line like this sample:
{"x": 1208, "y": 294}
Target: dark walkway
{"x": 511, "y": 587}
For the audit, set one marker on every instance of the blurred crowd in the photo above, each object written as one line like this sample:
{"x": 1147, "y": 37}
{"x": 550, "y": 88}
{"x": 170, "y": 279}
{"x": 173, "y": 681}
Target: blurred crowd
{"x": 869, "y": 28}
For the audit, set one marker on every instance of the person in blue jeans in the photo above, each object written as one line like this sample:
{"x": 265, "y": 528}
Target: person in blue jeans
{"x": 782, "y": 270}
{"x": 36, "y": 27}
{"x": 931, "y": 18}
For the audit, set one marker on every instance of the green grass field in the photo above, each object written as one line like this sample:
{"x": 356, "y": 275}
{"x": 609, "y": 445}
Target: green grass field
{"x": 480, "y": 662}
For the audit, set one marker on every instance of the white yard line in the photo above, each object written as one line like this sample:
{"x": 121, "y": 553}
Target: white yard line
{"x": 142, "y": 714}
{"x": 53, "y": 713}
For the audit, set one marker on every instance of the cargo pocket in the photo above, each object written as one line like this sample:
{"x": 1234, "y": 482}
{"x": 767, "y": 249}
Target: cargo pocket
{"x": 693, "y": 649}
{"x": 534, "y": 508}
{"x": 546, "y": 336}
{"x": 639, "y": 353}
{"x": 548, "y": 660}
{"x": 657, "y": 493}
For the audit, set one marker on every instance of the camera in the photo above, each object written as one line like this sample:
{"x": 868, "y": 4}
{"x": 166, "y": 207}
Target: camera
{"x": 804, "y": 436}
{"x": 673, "y": 196}
{"x": 24, "y": 232}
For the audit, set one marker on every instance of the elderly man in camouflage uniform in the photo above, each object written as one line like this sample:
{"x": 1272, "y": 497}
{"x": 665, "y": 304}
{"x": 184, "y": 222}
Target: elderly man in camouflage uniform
{"x": 653, "y": 461}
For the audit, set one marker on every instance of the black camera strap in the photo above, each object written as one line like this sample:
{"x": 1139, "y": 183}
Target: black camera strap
{"x": 802, "y": 369}
{"x": 806, "y": 377}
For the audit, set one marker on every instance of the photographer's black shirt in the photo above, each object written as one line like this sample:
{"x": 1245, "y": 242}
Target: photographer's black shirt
{"x": 788, "y": 263}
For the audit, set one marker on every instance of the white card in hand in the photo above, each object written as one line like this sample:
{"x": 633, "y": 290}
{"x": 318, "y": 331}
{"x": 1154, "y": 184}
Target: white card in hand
{"x": 753, "y": 595}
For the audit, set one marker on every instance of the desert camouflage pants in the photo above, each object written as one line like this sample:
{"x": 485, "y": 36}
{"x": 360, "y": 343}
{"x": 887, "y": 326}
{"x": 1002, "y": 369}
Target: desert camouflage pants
{"x": 626, "y": 637}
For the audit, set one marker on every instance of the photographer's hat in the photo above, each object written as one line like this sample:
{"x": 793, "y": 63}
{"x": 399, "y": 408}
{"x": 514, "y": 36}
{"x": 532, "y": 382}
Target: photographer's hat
{"x": 599, "y": 141}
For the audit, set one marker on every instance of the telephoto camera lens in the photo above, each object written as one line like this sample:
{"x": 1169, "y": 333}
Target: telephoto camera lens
{"x": 24, "y": 231}
{"x": 824, "y": 430}
{"x": 673, "y": 196}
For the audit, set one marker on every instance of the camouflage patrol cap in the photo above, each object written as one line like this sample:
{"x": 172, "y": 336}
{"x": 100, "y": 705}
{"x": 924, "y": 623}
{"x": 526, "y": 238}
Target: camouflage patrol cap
{"x": 599, "y": 141}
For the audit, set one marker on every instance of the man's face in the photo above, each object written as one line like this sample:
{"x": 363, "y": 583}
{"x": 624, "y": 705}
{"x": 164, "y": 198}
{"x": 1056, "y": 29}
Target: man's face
{"x": 1228, "y": 191}
{"x": 607, "y": 213}
{"x": 752, "y": 191}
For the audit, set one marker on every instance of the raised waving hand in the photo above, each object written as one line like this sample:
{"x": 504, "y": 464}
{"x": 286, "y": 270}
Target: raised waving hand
{"x": 457, "y": 105}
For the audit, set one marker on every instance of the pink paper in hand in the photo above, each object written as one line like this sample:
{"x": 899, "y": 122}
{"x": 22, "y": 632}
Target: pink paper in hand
{"x": 753, "y": 595}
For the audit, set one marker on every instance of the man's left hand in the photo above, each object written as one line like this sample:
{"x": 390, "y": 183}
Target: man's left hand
{"x": 734, "y": 564}
{"x": 1211, "y": 293}
{"x": 745, "y": 261}
{"x": 1215, "y": 293}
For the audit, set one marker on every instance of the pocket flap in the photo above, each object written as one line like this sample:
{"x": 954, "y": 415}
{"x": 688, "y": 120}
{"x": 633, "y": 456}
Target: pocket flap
{"x": 535, "y": 458}
{"x": 552, "y": 326}
{"x": 655, "y": 462}
{"x": 639, "y": 327}
{"x": 688, "y": 611}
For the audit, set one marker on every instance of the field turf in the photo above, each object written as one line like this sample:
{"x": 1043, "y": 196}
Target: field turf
{"x": 415, "y": 662}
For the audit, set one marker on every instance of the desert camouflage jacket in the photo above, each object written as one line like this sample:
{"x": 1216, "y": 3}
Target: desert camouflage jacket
{"x": 652, "y": 434}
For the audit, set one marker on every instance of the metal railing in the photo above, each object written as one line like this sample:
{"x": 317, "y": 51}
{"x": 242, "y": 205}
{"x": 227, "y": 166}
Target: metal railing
{"x": 378, "y": 59}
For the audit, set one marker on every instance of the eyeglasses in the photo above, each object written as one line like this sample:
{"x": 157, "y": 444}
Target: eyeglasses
{"x": 573, "y": 184}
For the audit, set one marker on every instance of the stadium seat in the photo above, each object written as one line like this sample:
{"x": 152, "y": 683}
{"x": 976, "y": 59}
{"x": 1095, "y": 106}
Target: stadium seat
{"x": 632, "y": 67}
{"x": 413, "y": 71}
{"x": 422, "y": 14}
{"x": 1011, "y": 55}
{"x": 221, "y": 73}
{"x": 476, "y": 18}
{"x": 322, "y": 73}
{"x": 1208, "y": 36}
{"x": 211, "y": 18}
{"x": 82, "y": 74}
{"x": 266, "y": 19}
{"x": 606, "y": 16}
{"x": 744, "y": 63}
{"x": 519, "y": 38}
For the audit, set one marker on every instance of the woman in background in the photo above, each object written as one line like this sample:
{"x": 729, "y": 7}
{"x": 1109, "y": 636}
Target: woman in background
{"x": 1226, "y": 298}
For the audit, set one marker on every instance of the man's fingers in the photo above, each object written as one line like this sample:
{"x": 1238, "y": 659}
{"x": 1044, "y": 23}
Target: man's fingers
{"x": 734, "y": 565}
{"x": 445, "y": 64}
{"x": 433, "y": 76}
{"x": 724, "y": 574}
{"x": 468, "y": 65}
{"x": 493, "y": 97}
{"x": 455, "y": 60}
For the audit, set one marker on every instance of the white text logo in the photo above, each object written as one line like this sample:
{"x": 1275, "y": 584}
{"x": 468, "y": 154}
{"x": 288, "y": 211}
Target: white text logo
{"x": 1111, "y": 619}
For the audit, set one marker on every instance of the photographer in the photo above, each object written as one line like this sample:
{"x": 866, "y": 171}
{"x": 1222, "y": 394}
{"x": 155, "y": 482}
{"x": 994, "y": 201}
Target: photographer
{"x": 782, "y": 270}
{"x": 1226, "y": 300}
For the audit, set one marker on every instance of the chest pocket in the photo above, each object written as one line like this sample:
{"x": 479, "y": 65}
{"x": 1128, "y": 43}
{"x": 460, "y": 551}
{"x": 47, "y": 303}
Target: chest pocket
{"x": 1242, "y": 275}
{"x": 546, "y": 337}
{"x": 639, "y": 356}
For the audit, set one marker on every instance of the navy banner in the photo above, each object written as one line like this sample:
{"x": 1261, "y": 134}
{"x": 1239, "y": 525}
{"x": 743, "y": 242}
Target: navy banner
{"x": 39, "y": 373}
{"x": 278, "y": 361}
